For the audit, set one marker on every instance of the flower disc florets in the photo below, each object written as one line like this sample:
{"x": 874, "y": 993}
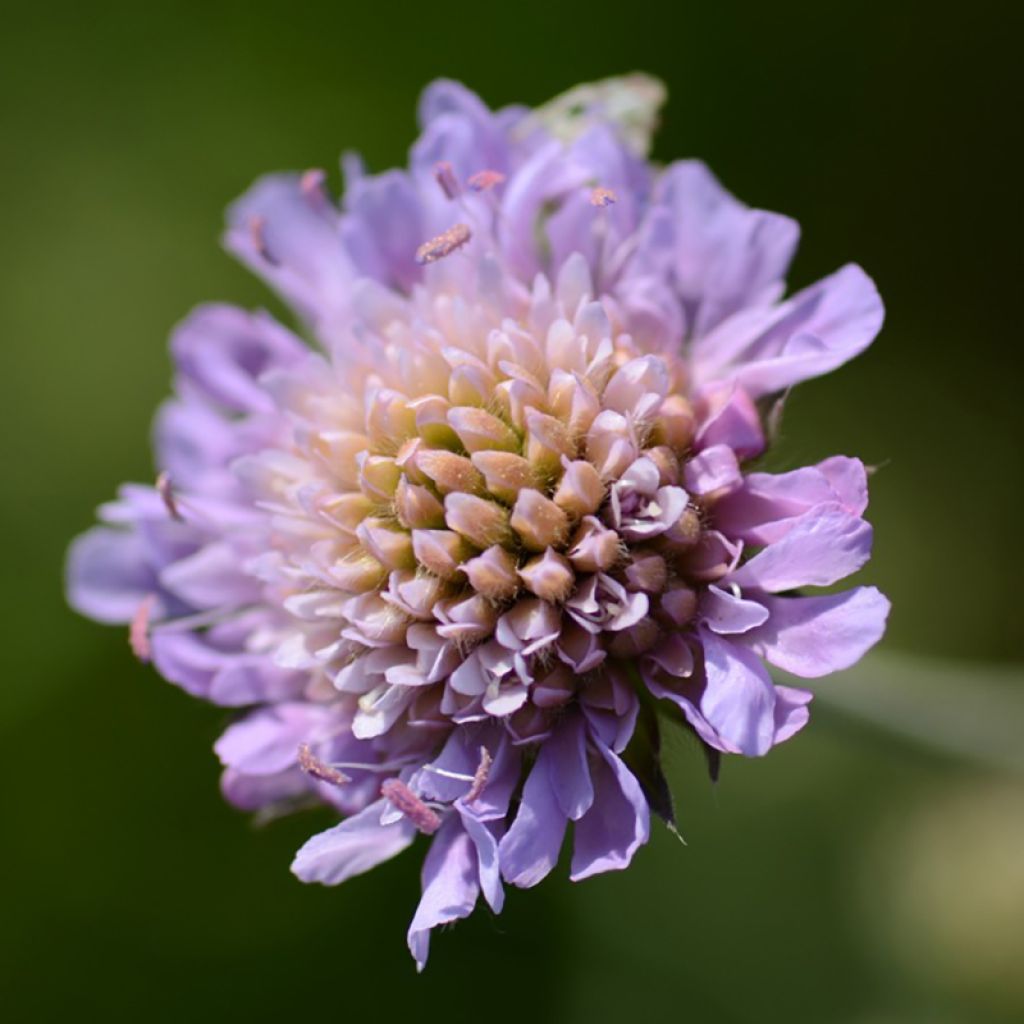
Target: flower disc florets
{"x": 505, "y": 491}
{"x": 455, "y": 561}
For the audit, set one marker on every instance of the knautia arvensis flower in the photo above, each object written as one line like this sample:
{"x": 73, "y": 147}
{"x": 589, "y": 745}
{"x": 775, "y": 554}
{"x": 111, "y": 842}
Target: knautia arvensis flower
{"x": 454, "y": 559}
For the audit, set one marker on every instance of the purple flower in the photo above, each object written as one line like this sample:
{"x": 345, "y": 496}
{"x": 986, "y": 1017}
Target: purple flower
{"x": 439, "y": 557}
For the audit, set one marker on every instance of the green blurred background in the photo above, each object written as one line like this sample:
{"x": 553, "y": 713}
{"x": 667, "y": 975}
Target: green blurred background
{"x": 855, "y": 875}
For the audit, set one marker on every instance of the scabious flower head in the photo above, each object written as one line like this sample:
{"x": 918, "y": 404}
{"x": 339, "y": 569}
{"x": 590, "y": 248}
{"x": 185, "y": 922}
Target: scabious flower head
{"x": 454, "y": 558}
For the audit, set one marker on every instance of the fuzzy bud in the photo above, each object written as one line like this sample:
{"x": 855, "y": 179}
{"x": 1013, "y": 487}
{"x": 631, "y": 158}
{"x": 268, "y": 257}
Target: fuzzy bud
{"x": 505, "y": 473}
{"x": 549, "y": 576}
{"x": 440, "y": 551}
{"x": 539, "y": 522}
{"x": 580, "y": 491}
{"x": 453, "y": 474}
{"x": 480, "y": 521}
{"x": 493, "y": 573}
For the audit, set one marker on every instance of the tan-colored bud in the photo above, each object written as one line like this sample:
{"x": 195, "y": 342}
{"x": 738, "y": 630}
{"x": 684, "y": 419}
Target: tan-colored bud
{"x": 471, "y": 384}
{"x": 407, "y": 461}
{"x": 548, "y": 441}
{"x": 635, "y": 640}
{"x": 665, "y": 459}
{"x": 521, "y": 394}
{"x": 479, "y": 431}
{"x": 378, "y": 477}
{"x": 685, "y": 532}
{"x": 549, "y": 576}
{"x": 646, "y": 571}
{"x": 480, "y": 521}
{"x": 389, "y": 420}
{"x": 574, "y": 401}
{"x": 440, "y": 551}
{"x": 453, "y": 474}
{"x": 337, "y": 449}
{"x": 417, "y": 507}
{"x": 432, "y": 421}
{"x": 674, "y": 424}
{"x": 580, "y": 490}
{"x": 678, "y": 605}
{"x": 346, "y": 511}
{"x": 392, "y": 547}
{"x": 539, "y": 522}
{"x": 610, "y": 444}
{"x": 357, "y": 573}
{"x": 594, "y": 547}
{"x": 555, "y": 689}
{"x": 493, "y": 573}
{"x": 506, "y": 473}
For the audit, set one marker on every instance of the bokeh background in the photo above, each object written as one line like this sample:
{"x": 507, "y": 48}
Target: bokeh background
{"x": 868, "y": 873}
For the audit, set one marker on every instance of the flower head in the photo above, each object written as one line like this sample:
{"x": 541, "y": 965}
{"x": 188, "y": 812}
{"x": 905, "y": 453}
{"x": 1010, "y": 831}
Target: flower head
{"x": 441, "y": 557}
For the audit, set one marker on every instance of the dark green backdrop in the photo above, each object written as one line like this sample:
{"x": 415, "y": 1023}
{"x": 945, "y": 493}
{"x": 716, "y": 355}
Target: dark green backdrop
{"x": 852, "y": 876}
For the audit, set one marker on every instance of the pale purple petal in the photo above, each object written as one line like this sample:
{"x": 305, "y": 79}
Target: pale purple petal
{"x": 255, "y": 792}
{"x": 730, "y": 418}
{"x": 529, "y": 849}
{"x": 289, "y": 236}
{"x": 450, "y": 887}
{"x": 617, "y": 824}
{"x": 220, "y": 352}
{"x": 211, "y": 578}
{"x": 768, "y": 505}
{"x": 713, "y": 471}
{"x": 739, "y": 699}
{"x": 565, "y": 757}
{"x": 814, "y": 636}
{"x": 824, "y": 545}
{"x": 813, "y": 333}
{"x": 791, "y": 711}
{"x": 724, "y": 612}
{"x": 485, "y": 836}
{"x": 724, "y": 256}
{"x": 108, "y": 575}
{"x": 356, "y": 845}
{"x": 267, "y": 740}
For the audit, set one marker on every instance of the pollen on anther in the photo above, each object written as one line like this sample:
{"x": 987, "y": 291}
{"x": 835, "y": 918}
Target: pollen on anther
{"x": 257, "y": 231}
{"x": 320, "y": 770}
{"x": 602, "y": 197}
{"x": 444, "y": 173}
{"x": 403, "y": 799}
{"x": 480, "y": 777}
{"x": 138, "y": 631}
{"x": 444, "y": 244}
{"x": 312, "y": 182}
{"x": 483, "y": 180}
{"x": 165, "y": 489}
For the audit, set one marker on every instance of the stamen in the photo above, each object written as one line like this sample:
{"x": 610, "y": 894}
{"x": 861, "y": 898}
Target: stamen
{"x": 445, "y": 175}
{"x": 166, "y": 492}
{"x": 446, "y": 774}
{"x": 311, "y": 184}
{"x": 444, "y": 245}
{"x": 317, "y": 769}
{"x": 201, "y": 620}
{"x": 480, "y": 778}
{"x": 365, "y": 766}
{"x": 138, "y": 631}
{"x": 483, "y": 180}
{"x": 257, "y": 228}
{"x": 403, "y": 799}
{"x": 602, "y": 197}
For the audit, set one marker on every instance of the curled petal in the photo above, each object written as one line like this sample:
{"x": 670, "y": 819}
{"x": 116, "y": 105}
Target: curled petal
{"x": 356, "y": 845}
{"x": 617, "y": 823}
{"x": 814, "y": 636}
{"x": 824, "y": 545}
